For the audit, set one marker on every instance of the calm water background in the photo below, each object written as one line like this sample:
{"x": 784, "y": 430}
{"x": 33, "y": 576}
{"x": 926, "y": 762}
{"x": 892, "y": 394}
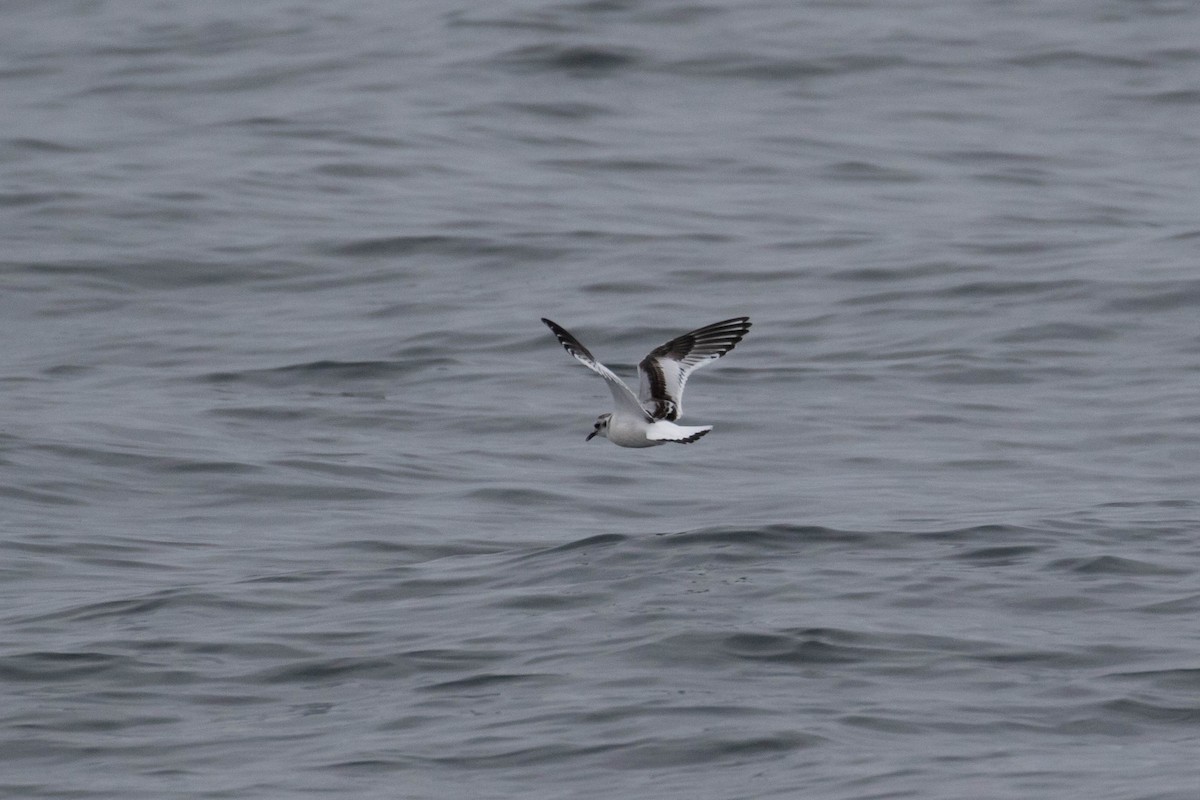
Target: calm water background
{"x": 294, "y": 496}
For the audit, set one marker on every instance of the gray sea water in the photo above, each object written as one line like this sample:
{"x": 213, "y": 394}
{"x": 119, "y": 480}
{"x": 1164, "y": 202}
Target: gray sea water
{"x": 294, "y": 494}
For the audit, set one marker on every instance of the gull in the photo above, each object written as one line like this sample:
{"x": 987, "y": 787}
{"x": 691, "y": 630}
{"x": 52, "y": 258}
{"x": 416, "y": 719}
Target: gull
{"x": 648, "y": 418}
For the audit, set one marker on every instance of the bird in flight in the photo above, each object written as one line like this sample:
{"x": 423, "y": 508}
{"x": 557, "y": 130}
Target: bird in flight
{"x": 648, "y": 418}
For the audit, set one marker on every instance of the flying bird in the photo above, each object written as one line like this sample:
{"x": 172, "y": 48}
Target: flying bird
{"x": 648, "y": 418}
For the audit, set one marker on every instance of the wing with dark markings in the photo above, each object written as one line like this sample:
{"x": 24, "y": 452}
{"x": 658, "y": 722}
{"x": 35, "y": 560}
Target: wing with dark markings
{"x": 622, "y": 394}
{"x": 665, "y": 371}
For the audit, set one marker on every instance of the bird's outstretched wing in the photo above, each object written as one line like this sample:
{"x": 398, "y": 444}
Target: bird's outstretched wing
{"x": 665, "y": 371}
{"x": 622, "y": 394}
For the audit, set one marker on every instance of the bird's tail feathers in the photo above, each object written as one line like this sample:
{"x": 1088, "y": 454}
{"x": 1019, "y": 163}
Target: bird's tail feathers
{"x": 663, "y": 431}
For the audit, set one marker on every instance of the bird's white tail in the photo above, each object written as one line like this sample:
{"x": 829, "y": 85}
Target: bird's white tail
{"x": 664, "y": 431}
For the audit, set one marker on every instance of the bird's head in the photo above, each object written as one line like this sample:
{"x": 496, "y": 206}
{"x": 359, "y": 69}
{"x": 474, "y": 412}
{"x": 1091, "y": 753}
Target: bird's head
{"x": 601, "y": 428}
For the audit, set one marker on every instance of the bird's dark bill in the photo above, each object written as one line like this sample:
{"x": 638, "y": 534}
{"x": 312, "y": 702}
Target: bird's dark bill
{"x": 590, "y": 435}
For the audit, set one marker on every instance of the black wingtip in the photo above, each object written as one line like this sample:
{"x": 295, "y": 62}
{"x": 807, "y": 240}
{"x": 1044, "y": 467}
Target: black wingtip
{"x": 568, "y": 340}
{"x": 742, "y": 322}
{"x": 735, "y": 328}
